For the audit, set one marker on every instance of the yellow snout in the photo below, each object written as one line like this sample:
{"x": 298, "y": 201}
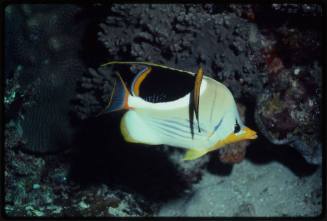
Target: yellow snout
{"x": 250, "y": 134}
{"x": 247, "y": 134}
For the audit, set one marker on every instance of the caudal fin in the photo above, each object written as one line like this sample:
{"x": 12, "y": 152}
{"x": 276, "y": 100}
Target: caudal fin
{"x": 119, "y": 97}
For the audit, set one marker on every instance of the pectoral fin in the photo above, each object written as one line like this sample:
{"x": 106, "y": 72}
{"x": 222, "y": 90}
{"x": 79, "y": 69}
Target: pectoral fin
{"x": 196, "y": 94}
{"x": 193, "y": 154}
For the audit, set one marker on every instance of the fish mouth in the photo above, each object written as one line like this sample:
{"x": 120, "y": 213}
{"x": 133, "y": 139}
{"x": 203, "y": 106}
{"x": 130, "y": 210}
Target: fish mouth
{"x": 254, "y": 136}
{"x": 250, "y": 134}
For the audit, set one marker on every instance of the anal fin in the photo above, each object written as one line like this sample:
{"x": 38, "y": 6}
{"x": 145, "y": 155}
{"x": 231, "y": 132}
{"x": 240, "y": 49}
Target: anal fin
{"x": 193, "y": 154}
{"x": 124, "y": 131}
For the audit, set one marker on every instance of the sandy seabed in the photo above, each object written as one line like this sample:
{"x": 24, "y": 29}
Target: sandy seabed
{"x": 269, "y": 190}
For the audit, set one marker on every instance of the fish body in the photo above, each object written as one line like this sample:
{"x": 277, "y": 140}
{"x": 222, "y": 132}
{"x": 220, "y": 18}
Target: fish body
{"x": 172, "y": 123}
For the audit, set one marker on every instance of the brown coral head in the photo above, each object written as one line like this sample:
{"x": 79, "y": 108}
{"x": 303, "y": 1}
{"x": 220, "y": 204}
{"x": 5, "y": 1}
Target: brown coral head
{"x": 233, "y": 153}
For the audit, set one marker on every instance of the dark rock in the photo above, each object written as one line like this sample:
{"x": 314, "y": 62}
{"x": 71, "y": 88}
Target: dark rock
{"x": 49, "y": 57}
{"x": 285, "y": 114}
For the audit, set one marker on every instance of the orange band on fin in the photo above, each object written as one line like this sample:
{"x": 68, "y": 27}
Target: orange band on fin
{"x": 139, "y": 79}
{"x": 197, "y": 86}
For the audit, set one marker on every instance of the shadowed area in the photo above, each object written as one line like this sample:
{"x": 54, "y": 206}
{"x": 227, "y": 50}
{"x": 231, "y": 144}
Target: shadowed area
{"x": 102, "y": 156}
{"x": 261, "y": 151}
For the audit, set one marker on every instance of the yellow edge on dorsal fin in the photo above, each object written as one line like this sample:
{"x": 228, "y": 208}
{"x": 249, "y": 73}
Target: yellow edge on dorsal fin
{"x": 196, "y": 97}
{"x": 193, "y": 154}
{"x": 145, "y": 63}
{"x": 138, "y": 80}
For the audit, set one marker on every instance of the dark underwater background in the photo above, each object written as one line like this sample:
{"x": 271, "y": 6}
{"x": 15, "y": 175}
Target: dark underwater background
{"x": 61, "y": 160}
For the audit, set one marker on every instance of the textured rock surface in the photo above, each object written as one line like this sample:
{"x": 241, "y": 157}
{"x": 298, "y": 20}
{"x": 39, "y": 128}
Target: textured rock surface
{"x": 49, "y": 65}
{"x": 42, "y": 186}
{"x": 224, "y": 43}
{"x": 288, "y": 112}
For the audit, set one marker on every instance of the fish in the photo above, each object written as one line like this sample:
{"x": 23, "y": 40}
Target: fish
{"x": 171, "y": 122}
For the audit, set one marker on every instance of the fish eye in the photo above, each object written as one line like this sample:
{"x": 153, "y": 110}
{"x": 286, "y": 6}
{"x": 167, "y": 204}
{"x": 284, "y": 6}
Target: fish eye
{"x": 237, "y": 128}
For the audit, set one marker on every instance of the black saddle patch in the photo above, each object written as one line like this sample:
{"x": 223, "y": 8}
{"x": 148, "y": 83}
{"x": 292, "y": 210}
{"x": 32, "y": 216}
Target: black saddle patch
{"x": 160, "y": 85}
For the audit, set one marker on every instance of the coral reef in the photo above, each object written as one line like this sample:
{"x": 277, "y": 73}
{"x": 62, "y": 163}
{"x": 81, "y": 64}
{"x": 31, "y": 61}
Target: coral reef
{"x": 36, "y": 189}
{"x": 42, "y": 68}
{"x": 269, "y": 56}
{"x": 288, "y": 112}
{"x": 189, "y": 35}
{"x": 42, "y": 186}
{"x": 95, "y": 90}
{"x": 49, "y": 65}
{"x": 299, "y": 9}
{"x": 139, "y": 34}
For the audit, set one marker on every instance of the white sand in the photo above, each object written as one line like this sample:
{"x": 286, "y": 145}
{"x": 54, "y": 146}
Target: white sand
{"x": 251, "y": 190}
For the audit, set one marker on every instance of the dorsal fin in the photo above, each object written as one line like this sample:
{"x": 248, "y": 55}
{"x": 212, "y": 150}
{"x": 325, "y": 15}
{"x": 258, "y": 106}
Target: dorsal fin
{"x": 119, "y": 97}
{"x": 135, "y": 87}
{"x": 145, "y": 63}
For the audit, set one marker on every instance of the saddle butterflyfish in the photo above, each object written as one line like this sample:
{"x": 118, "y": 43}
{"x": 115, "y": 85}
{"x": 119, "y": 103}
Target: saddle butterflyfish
{"x": 205, "y": 102}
